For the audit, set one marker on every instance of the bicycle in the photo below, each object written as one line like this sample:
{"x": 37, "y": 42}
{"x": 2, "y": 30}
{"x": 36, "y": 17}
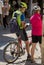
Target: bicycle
{"x": 11, "y": 52}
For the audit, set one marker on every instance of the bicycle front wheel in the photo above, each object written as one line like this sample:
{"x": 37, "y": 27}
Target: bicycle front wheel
{"x": 10, "y": 53}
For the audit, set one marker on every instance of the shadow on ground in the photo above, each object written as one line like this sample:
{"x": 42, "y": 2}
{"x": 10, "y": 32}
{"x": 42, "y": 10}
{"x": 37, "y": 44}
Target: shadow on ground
{"x": 4, "y": 40}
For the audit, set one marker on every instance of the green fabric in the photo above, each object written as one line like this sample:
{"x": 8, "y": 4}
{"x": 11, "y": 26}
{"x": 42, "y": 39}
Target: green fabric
{"x": 18, "y": 18}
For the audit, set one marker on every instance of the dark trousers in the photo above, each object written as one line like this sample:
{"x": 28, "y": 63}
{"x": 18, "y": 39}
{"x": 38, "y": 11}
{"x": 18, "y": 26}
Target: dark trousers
{"x": 1, "y": 19}
{"x": 5, "y": 21}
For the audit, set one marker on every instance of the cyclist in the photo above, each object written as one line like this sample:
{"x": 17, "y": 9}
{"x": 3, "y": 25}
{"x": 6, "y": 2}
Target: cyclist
{"x": 22, "y": 24}
{"x": 36, "y": 22}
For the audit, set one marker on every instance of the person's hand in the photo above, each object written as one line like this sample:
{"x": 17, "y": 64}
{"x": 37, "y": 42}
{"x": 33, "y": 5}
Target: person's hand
{"x": 26, "y": 25}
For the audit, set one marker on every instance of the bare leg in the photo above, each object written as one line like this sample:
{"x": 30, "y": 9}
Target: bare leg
{"x": 41, "y": 49}
{"x": 40, "y": 46}
{"x": 27, "y": 47}
{"x": 19, "y": 43}
{"x": 32, "y": 50}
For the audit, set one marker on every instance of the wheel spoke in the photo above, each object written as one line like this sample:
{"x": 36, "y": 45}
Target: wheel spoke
{"x": 10, "y": 52}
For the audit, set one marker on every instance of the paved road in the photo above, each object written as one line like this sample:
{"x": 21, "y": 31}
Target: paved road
{"x": 5, "y": 37}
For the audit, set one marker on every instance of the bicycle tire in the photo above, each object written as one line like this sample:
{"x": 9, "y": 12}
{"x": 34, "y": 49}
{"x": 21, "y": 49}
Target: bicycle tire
{"x": 7, "y": 60}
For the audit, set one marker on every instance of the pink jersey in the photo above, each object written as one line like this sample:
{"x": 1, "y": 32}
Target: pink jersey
{"x": 36, "y": 24}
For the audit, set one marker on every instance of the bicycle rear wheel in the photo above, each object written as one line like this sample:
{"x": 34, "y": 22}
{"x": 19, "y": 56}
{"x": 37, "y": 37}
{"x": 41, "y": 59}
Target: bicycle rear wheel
{"x": 11, "y": 53}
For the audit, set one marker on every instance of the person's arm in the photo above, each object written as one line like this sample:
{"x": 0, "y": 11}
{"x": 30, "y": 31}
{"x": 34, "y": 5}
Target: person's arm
{"x": 9, "y": 7}
{"x": 2, "y": 5}
{"x": 23, "y": 24}
{"x": 30, "y": 19}
{"x": 23, "y": 21}
{"x": 3, "y": 9}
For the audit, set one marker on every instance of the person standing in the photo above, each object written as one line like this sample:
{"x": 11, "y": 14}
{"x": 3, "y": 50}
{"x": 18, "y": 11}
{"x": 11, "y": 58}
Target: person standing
{"x": 6, "y": 13}
{"x": 36, "y": 23}
{"x": 21, "y": 34}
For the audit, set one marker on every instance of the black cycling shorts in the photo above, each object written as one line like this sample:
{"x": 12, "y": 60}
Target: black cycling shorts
{"x": 23, "y": 34}
{"x": 36, "y": 39}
